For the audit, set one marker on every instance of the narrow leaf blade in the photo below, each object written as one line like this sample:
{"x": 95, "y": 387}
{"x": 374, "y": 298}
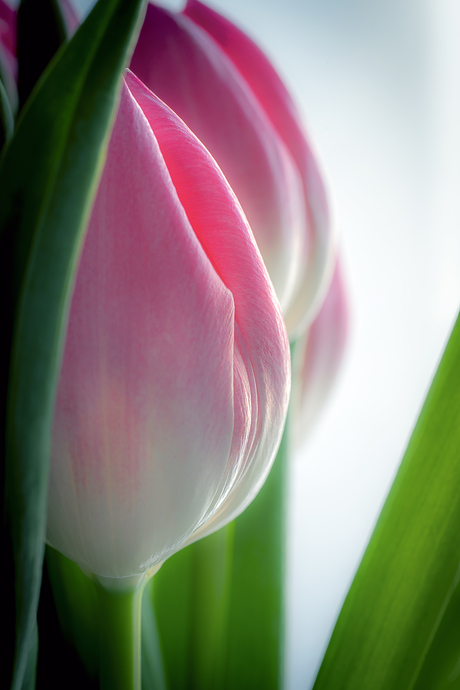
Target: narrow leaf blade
{"x": 395, "y": 604}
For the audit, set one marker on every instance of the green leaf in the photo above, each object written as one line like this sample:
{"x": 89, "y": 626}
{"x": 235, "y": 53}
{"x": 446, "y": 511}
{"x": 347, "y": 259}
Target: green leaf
{"x": 212, "y": 566}
{"x": 403, "y": 604}
{"x": 172, "y": 595}
{"x": 48, "y": 177}
{"x": 441, "y": 668}
{"x": 190, "y": 595}
{"x": 75, "y": 599}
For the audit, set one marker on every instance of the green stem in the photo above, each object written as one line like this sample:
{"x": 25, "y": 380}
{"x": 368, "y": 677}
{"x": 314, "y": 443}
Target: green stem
{"x": 153, "y": 675}
{"x": 119, "y": 614}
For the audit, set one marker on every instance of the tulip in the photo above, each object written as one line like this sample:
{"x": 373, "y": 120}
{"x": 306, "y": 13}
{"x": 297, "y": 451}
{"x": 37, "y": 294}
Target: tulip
{"x": 175, "y": 377}
{"x": 220, "y": 83}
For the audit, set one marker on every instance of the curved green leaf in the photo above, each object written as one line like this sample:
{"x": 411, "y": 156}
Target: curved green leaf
{"x": 441, "y": 667}
{"x": 404, "y": 599}
{"x": 48, "y": 177}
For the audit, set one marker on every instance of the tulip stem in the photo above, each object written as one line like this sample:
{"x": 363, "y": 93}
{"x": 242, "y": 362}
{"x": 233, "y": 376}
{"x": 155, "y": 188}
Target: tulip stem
{"x": 119, "y": 614}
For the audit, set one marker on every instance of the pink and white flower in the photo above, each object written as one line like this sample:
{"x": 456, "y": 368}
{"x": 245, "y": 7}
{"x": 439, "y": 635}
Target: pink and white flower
{"x": 175, "y": 378}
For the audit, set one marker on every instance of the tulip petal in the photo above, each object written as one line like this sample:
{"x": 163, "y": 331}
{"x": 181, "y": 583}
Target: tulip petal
{"x": 184, "y": 67}
{"x": 127, "y": 446}
{"x": 261, "y": 352}
{"x": 319, "y": 246}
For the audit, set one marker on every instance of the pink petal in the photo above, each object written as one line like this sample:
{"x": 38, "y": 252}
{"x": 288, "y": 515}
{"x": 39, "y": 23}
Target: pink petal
{"x": 262, "y": 362}
{"x": 318, "y": 249}
{"x": 186, "y": 69}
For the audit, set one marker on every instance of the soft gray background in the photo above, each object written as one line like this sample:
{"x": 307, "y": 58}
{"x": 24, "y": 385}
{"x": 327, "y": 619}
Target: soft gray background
{"x": 378, "y": 82}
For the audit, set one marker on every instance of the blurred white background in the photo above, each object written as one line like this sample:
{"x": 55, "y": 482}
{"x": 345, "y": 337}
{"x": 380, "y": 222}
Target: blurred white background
{"x": 378, "y": 82}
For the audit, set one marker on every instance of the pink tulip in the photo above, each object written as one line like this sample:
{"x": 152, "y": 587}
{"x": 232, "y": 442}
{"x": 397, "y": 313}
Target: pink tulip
{"x": 220, "y": 83}
{"x": 318, "y": 356}
{"x": 175, "y": 378}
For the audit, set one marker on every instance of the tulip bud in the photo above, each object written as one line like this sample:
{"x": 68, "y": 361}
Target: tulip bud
{"x": 220, "y": 83}
{"x": 175, "y": 377}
